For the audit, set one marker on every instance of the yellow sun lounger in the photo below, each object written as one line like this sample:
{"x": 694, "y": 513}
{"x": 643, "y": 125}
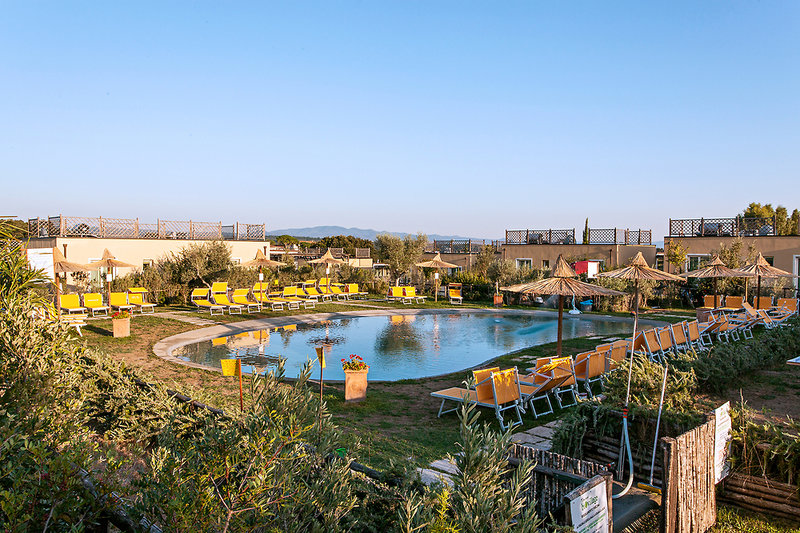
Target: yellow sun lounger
{"x": 76, "y": 322}
{"x": 93, "y": 301}
{"x": 199, "y": 298}
{"x": 496, "y": 389}
{"x": 242, "y": 297}
{"x": 261, "y": 294}
{"x": 589, "y": 367}
{"x": 219, "y": 293}
{"x": 455, "y": 296}
{"x": 119, "y": 300}
{"x": 411, "y": 292}
{"x": 352, "y": 290}
{"x": 290, "y": 295}
{"x": 337, "y": 291}
{"x": 71, "y": 303}
{"x": 312, "y": 292}
{"x": 398, "y": 294}
{"x": 138, "y": 297}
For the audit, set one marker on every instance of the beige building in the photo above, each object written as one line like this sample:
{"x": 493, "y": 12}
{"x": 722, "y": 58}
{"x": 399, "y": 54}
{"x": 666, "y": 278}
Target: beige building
{"x": 82, "y": 240}
{"x": 702, "y": 237}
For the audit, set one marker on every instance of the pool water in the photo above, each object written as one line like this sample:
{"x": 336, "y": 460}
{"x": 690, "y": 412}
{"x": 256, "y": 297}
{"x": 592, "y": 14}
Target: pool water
{"x": 396, "y": 346}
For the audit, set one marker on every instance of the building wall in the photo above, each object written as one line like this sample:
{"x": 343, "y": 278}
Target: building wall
{"x": 610, "y": 254}
{"x": 136, "y": 251}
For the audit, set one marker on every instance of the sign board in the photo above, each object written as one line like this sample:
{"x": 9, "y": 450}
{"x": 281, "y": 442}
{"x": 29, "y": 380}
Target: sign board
{"x": 41, "y": 258}
{"x": 588, "y": 506}
{"x": 592, "y": 269}
{"x": 722, "y": 442}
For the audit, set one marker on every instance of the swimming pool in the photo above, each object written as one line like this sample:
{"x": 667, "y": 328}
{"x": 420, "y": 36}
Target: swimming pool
{"x": 398, "y": 346}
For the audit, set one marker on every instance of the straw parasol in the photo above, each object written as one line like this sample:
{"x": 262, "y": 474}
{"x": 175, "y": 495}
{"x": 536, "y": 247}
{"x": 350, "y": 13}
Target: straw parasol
{"x": 109, "y": 261}
{"x": 561, "y": 283}
{"x": 261, "y": 262}
{"x": 716, "y": 269}
{"x": 62, "y": 266}
{"x": 761, "y": 269}
{"x": 327, "y": 259}
{"x": 436, "y": 263}
{"x": 638, "y": 269}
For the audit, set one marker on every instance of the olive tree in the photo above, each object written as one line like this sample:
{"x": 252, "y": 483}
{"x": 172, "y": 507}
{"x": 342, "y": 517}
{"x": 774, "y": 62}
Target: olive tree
{"x": 400, "y": 253}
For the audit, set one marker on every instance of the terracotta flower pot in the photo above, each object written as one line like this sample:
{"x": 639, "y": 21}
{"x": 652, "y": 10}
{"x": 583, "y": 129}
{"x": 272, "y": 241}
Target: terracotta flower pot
{"x": 355, "y": 385}
{"x": 122, "y": 327}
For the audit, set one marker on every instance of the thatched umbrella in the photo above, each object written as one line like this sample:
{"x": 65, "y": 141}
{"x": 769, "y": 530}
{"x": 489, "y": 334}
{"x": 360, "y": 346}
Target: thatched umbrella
{"x": 716, "y": 269}
{"x": 561, "y": 283}
{"x": 62, "y": 266}
{"x": 436, "y": 263}
{"x": 761, "y": 269}
{"x": 261, "y": 262}
{"x": 109, "y": 261}
{"x": 327, "y": 259}
{"x": 638, "y": 269}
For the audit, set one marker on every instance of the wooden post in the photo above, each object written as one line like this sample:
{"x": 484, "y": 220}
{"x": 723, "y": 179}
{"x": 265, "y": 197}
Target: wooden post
{"x": 669, "y": 506}
{"x": 560, "y": 320}
{"x": 702, "y": 227}
{"x": 61, "y": 225}
{"x": 670, "y": 227}
{"x": 191, "y": 230}
{"x": 136, "y": 227}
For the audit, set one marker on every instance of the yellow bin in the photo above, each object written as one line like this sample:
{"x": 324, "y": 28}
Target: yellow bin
{"x": 229, "y": 366}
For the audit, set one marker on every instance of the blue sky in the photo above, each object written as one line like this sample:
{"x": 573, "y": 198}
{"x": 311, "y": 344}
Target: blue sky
{"x": 444, "y": 117}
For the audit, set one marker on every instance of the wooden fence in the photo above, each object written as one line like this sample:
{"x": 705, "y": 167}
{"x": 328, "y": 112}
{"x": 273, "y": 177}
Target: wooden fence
{"x": 553, "y": 477}
{"x": 688, "y": 502}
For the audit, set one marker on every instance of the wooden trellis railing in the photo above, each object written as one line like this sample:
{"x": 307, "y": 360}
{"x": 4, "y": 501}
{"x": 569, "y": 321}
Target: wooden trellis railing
{"x": 126, "y": 228}
{"x": 619, "y": 236}
{"x": 540, "y": 236}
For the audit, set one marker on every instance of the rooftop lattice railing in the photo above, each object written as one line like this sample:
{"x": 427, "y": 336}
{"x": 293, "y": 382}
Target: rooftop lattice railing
{"x": 126, "y": 228}
{"x": 461, "y": 246}
{"x": 722, "y": 227}
{"x": 619, "y": 236}
{"x": 540, "y": 236}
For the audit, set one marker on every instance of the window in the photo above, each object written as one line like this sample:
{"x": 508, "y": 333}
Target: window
{"x": 147, "y": 263}
{"x": 770, "y": 260}
{"x": 545, "y": 263}
{"x": 524, "y": 263}
{"x": 695, "y": 260}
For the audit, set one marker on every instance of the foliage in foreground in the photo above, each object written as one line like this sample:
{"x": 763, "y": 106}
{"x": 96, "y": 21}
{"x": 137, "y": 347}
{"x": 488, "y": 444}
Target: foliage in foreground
{"x": 272, "y": 468}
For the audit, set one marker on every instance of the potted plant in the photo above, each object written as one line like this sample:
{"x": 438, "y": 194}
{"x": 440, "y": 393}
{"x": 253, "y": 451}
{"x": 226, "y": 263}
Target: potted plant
{"x": 355, "y": 378}
{"x": 121, "y": 320}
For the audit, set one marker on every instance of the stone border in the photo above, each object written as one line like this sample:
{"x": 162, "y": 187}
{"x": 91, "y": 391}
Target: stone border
{"x": 166, "y": 346}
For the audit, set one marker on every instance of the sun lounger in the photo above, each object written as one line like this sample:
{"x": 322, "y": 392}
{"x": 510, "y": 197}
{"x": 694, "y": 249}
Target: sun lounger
{"x": 199, "y": 298}
{"x": 93, "y": 301}
{"x": 764, "y": 302}
{"x": 71, "y": 303}
{"x": 336, "y": 290}
{"x": 695, "y": 337}
{"x": 665, "y": 340}
{"x": 455, "y": 296}
{"x": 652, "y": 345}
{"x": 551, "y": 374}
{"x": 138, "y": 296}
{"x": 708, "y": 301}
{"x": 119, "y": 300}
{"x": 589, "y": 367}
{"x": 261, "y": 294}
{"x": 219, "y": 293}
{"x": 242, "y": 297}
{"x": 312, "y": 292}
{"x": 398, "y": 294}
{"x": 290, "y": 295}
{"x": 76, "y": 321}
{"x": 789, "y": 305}
{"x": 352, "y": 290}
{"x": 411, "y": 292}
{"x": 733, "y": 303}
{"x": 496, "y": 389}
{"x": 679, "y": 338}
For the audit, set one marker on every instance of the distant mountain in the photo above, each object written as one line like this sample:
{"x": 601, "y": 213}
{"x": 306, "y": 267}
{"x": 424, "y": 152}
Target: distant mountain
{"x": 318, "y": 232}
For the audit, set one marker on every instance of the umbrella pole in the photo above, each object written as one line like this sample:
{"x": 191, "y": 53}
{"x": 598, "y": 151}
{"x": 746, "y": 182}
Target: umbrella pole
{"x": 560, "y": 318}
{"x": 758, "y": 293}
{"x": 58, "y": 293}
{"x": 625, "y": 444}
{"x": 633, "y": 339}
{"x": 715, "y": 293}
